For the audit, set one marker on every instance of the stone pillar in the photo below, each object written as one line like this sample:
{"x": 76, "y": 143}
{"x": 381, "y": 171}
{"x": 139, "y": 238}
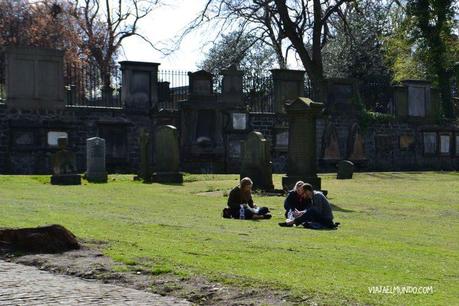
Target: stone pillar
{"x": 200, "y": 85}
{"x": 95, "y": 160}
{"x": 139, "y": 89}
{"x": 302, "y": 114}
{"x": 287, "y": 85}
{"x": 232, "y": 86}
{"x": 34, "y": 78}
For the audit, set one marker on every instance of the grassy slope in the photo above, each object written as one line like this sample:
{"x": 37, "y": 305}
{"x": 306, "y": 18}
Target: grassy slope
{"x": 397, "y": 229}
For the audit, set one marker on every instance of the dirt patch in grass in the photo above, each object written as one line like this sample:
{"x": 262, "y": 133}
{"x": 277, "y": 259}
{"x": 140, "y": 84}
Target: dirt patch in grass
{"x": 90, "y": 263}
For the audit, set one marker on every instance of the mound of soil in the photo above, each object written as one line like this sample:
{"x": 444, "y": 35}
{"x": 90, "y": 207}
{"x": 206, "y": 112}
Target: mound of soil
{"x": 45, "y": 239}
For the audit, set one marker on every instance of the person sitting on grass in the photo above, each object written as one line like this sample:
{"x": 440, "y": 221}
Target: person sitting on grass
{"x": 240, "y": 203}
{"x": 317, "y": 213}
{"x": 296, "y": 200}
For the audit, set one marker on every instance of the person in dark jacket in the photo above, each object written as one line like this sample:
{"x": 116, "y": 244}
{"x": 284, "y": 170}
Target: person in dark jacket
{"x": 317, "y": 212}
{"x": 296, "y": 200}
{"x": 241, "y": 205}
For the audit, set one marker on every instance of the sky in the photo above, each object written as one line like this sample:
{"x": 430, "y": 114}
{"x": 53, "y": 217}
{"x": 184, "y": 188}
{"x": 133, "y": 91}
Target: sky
{"x": 162, "y": 25}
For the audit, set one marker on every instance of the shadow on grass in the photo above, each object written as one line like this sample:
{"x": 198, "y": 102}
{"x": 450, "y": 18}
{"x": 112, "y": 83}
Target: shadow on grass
{"x": 337, "y": 208}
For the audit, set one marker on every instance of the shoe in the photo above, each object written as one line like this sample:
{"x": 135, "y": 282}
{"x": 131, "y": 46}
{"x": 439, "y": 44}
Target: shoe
{"x": 285, "y": 224}
{"x": 267, "y": 216}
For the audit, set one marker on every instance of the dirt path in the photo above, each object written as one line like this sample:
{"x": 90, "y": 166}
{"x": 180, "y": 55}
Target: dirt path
{"x": 90, "y": 264}
{"x": 25, "y": 285}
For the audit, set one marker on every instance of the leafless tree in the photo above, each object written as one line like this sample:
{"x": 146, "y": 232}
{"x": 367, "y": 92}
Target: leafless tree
{"x": 302, "y": 25}
{"x": 307, "y": 25}
{"x": 254, "y": 18}
{"x": 105, "y": 24}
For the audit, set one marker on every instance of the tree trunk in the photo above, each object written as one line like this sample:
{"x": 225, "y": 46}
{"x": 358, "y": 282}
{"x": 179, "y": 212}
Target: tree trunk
{"x": 445, "y": 91}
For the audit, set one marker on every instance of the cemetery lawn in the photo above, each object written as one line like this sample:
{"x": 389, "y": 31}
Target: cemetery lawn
{"x": 398, "y": 229}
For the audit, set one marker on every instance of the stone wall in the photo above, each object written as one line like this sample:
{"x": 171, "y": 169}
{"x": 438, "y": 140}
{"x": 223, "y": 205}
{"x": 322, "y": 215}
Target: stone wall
{"x": 393, "y": 146}
{"x": 25, "y": 135}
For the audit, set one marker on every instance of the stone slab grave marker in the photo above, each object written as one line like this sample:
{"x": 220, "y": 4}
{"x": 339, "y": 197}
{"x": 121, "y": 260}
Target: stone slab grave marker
{"x": 95, "y": 160}
{"x": 64, "y": 165}
{"x": 145, "y": 156}
{"x": 331, "y": 150}
{"x": 356, "y": 144}
{"x": 256, "y": 161}
{"x": 167, "y": 156}
{"x": 302, "y": 113}
{"x": 345, "y": 170}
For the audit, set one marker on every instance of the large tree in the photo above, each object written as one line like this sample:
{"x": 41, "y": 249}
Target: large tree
{"x": 47, "y": 24}
{"x": 105, "y": 25}
{"x": 433, "y": 21}
{"x": 257, "y": 19}
{"x": 242, "y": 51}
{"x": 307, "y": 25}
{"x": 355, "y": 49}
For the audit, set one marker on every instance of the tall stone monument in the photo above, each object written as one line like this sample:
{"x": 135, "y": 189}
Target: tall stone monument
{"x": 256, "y": 161}
{"x": 167, "y": 156}
{"x": 95, "y": 160}
{"x": 302, "y": 113}
{"x": 64, "y": 165}
{"x": 34, "y": 78}
{"x": 139, "y": 92}
{"x": 287, "y": 84}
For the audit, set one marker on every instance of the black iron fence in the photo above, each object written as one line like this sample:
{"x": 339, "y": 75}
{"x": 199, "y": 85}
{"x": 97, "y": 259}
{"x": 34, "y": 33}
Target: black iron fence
{"x": 173, "y": 86}
{"x": 85, "y": 86}
{"x": 258, "y": 94}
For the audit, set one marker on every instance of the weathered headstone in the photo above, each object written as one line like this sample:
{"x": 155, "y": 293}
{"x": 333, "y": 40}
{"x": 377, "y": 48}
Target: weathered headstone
{"x": 145, "y": 156}
{"x": 95, "y": 160}
{"x": 256, "y": 161}
{"x": 345, "y": 170}
{"x": 64, "y": 166}
{"x": 331, "y": 149}
{"x": 167, "y": 156}
{"x": 356, "y": 144}
{"x": 302, "y": 113}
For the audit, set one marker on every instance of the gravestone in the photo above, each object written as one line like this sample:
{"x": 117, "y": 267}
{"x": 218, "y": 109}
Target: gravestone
{"x": 95, "y": 160}
{"x": 256, "y": 161}
{"x": 167, "y": 156}
{"x": 331, "y": 151}
{"x": 302, "y": 113}
{"x": 64, "y": 166}
{"x": 345, "y": 170}
{"x": 145, "y": 153}
{"x": 356, "y": 145}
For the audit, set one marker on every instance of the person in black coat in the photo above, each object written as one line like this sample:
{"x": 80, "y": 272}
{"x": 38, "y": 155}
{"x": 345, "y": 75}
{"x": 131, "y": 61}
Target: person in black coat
{"x": 240, "y": 200}
{"x": 296, "y": 200}
{"x": 309, "y": 208}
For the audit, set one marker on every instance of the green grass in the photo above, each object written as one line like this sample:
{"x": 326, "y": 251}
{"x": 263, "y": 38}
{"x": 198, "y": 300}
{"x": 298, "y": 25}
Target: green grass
{"x": 398, "y": 229}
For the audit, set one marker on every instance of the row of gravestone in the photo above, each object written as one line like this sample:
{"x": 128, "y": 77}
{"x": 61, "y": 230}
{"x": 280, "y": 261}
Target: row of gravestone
{"x": 64, "y": 163}
{"x": 167, "y": 160}
{"x": 256, "y": 155}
